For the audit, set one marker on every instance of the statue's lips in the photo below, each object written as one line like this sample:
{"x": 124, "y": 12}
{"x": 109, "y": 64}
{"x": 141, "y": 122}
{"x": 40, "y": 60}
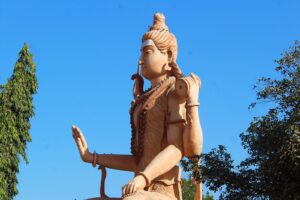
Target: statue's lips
{"x": 144, "y": 67}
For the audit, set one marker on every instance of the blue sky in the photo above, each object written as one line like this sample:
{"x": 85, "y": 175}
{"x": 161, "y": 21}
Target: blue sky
{"x": 85, "y": 53}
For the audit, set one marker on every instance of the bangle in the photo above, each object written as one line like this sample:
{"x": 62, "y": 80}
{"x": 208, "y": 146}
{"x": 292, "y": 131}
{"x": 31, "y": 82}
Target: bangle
{"x": 148, "y": 182}
{"x": 192, "y": 104}
{"x": 94, "y": 159}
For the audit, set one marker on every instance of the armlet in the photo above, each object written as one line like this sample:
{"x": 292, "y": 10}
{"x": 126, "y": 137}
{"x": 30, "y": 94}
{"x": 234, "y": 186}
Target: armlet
{"x": 176, "y": 121}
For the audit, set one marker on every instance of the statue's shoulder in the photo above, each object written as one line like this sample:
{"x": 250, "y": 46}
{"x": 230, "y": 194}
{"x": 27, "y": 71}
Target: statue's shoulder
{"x": 176, "y": 104}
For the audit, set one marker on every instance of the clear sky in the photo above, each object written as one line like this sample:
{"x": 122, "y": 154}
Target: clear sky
{"x": 85, "y": 53}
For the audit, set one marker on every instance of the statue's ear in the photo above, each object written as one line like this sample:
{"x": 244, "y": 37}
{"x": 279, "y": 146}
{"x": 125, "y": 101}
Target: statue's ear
{"x": 168, "y": 66}
{"x": 170, "y": 56}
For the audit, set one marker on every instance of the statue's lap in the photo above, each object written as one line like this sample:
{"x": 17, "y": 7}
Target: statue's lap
{"x": 140, "y": 195}
{"x": 103, "y": 198}
{"x": 145, "y": 195}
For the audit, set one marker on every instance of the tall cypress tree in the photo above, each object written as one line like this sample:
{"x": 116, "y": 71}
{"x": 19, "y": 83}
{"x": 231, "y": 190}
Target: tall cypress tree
{"x": 16, "y": 109}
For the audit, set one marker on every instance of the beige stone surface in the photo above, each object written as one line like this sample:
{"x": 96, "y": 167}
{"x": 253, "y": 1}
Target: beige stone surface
{"x": 164, "y": 120}
{"x": 103, "y": 198}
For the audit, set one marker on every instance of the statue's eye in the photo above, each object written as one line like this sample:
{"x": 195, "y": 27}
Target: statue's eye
{"x": 148, "y": 51}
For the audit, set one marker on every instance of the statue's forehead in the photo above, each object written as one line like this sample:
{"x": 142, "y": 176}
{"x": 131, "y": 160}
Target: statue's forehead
{"x": 148, "y": 42}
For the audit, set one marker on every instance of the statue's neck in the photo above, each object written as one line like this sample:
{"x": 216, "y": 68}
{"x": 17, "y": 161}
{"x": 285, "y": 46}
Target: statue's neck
{"x": 157, "y": 80}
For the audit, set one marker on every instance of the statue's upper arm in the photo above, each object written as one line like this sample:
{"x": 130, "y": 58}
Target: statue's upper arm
{"x": 176, "y": 119}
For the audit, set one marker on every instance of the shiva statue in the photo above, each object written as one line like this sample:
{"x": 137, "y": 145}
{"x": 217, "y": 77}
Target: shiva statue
{"x": 165, "y": 124}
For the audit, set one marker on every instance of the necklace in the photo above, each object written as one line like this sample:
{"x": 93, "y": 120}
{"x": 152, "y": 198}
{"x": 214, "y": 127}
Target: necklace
{"x": 139, "y": 130}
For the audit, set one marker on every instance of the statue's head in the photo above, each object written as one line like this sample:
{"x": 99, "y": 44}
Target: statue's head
{"x": 159, "y": 50}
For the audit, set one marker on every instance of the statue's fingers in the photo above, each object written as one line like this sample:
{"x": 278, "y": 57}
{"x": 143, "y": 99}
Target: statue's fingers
{"x": 73, "y": 131}
{"x": 127, "y": 190}
{"x": 198, "y": 80}
{"x": 123, "y": 190}
{"x": 79, "y": 135}
{"x": 133, "y": 189}
{"x": 79, "y": 145}
{"x": 78, "y": 131}
{"x": 82, "y": 137}
{"x": 74, "y": 135}
{"x": 194, "y": 77}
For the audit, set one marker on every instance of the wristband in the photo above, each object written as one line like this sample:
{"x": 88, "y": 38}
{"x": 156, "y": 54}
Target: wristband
{"x": 148, "y": 182}
{"x": 94, "y": 159}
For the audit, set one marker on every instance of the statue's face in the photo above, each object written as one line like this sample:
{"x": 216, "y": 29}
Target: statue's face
{"x": 153, "y": 62}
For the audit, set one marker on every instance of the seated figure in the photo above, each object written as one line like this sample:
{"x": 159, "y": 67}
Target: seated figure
{"x": 164, "y": 121}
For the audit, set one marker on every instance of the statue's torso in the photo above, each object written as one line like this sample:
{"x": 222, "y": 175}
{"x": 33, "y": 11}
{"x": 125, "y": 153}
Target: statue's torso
{"x": 154, "y": 140}
{"x": 154, "y": 132}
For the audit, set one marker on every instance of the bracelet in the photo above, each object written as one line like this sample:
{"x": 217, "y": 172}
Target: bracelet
{"x": 148, "y": 182}
{"x": 94, "y": 159}
{"x": 192, "y": 104}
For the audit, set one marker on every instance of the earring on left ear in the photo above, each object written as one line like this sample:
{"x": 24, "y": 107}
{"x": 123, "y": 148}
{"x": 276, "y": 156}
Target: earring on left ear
{"x": 167, "y": 66}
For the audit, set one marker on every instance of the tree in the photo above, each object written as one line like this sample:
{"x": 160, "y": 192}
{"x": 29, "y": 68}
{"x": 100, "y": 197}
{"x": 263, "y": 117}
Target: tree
{"x": 272, "y": 169}
{"x": 208, "y": 196}
{"x": 273, "y": 140}
{"x": 189, "y": 189}
{"x": 16, "y": 109}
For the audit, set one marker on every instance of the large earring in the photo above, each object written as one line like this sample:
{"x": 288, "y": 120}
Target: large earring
{"x": 167, "y": 66}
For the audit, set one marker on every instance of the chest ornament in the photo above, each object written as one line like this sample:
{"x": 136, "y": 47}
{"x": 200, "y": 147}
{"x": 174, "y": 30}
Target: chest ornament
{"x": 147, "y": 100}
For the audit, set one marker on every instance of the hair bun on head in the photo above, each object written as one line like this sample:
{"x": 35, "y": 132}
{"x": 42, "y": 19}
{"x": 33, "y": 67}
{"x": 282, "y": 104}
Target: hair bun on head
{"x": 159, "y": 22}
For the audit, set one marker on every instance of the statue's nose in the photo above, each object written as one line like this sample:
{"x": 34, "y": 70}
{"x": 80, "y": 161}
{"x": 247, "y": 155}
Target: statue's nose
{"x": 141, "y": 62}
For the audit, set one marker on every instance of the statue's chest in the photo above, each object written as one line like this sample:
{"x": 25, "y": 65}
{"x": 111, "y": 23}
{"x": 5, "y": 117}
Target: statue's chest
{"x": 148, "y": 126}
{"x": 154, "y": 116}
{"x": 148, "y": 118}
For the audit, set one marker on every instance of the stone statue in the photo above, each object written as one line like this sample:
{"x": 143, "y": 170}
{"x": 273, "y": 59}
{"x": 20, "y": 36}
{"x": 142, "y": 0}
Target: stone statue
{"x": 164, "y": 121}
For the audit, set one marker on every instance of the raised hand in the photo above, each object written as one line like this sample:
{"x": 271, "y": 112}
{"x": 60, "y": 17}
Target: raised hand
{"x": 82, "y": 146}
{"x": 195, "y": 85}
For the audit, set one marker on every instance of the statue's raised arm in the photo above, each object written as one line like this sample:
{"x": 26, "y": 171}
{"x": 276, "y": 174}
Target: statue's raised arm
{"x": 119, "y": 162}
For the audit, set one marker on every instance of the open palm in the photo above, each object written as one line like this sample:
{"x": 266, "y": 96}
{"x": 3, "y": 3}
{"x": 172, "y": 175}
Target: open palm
{"x": 81, "y": 143}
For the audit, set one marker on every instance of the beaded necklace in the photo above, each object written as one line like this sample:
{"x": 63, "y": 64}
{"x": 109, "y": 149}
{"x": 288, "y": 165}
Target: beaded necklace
{"x": 138, "y": 149}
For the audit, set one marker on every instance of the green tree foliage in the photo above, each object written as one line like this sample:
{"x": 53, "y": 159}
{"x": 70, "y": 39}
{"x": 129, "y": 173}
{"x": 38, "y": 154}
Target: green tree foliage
{"x": 273, "y": 140}
{"x": 189, "y": 189}
{"x": 272, "y": 169}
{"x": 16, "y": 109}
{"x": 207, "y": 196}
